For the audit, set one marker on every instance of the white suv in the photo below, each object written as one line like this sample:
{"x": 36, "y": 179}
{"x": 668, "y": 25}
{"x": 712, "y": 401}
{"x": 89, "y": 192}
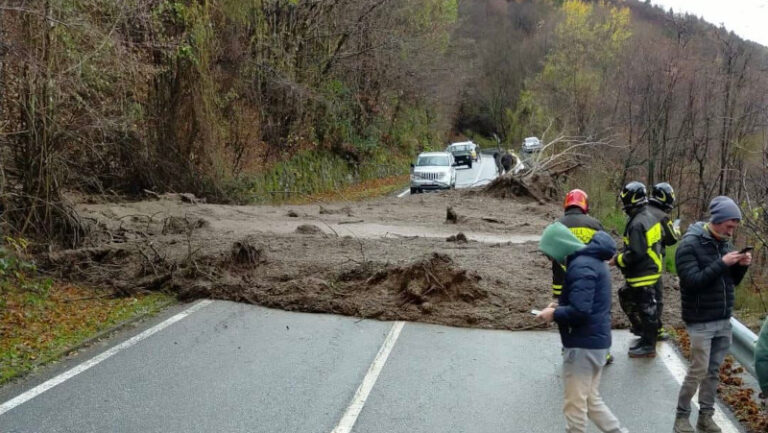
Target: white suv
{"x": 433, "y": 170}
{"x": 531, "y": 144}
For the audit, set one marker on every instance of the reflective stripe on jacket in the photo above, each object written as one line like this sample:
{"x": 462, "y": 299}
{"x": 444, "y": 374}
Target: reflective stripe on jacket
{"x": 670, "y": 236}
{"x": 641, "y": 261}
{"x": 583, "y": 227}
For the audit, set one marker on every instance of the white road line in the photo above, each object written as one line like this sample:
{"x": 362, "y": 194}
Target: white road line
{"x": 358, "y": 401}
{"x": 45, "y": 386}
{"x": 678, "y": 369}
{"x": 404, "y": 193}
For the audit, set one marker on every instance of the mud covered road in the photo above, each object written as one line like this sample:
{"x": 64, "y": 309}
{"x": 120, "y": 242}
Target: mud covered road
{"x": 457, "y": 258}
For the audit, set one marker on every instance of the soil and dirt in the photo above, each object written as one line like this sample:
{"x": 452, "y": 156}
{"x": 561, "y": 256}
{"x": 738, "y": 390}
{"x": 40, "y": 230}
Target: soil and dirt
{"x": 387, "y": 258}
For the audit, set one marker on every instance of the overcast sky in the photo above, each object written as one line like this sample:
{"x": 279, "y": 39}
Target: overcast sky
{"x": 747, "y": 18}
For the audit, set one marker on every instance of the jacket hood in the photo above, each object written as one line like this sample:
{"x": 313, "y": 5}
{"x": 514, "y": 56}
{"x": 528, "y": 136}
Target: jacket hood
{"x": 558, "y": 242}
{"x": 700, "y": 230}
{"x": 602, "y": 246}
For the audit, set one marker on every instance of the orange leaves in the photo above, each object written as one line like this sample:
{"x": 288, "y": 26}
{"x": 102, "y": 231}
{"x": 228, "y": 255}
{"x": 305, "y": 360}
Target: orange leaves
{"x": 731, "y": 389}
{"x": 35, "y": 327}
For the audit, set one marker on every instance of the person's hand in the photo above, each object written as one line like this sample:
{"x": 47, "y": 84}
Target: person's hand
{"x": 612, "y": 262}
{"x": 552, "y": 305}
{"x": 732, "y": 258}
{"x": 746, "y": 259}
{"x": 547, "y": 314}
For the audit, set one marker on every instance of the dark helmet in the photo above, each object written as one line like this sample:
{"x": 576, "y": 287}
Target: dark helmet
{"x": 633, "y": 195}
{"x": 663, "y": 195}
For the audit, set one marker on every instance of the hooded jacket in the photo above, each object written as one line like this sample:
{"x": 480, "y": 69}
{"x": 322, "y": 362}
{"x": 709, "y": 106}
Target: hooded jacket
{"x": 706, "y": 282}
{"x": 583, "y": 227}
{"x": 584, "y": 313}
{"x": 641, "y": 262}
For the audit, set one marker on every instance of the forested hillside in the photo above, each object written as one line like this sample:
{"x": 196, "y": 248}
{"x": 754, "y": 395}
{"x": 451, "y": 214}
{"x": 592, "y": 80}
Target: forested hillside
{"x": 238, "y": 99}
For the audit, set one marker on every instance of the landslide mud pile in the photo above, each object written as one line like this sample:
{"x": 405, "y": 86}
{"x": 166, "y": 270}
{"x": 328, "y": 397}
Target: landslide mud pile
{"x": 432, "y": 280}
{"x": 538, "y": 186}
{"x": 314, "y": 259}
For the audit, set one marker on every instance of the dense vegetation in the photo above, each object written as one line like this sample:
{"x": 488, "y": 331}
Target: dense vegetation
{"x": 242, "y": 100}
{"x": 229, "y": 99}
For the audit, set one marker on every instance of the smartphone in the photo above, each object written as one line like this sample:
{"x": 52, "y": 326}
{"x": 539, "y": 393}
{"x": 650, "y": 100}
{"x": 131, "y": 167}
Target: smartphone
{"x": 535, "y": 312}
{"x": 746, "y": 249}
{"x": 676, "y": 224}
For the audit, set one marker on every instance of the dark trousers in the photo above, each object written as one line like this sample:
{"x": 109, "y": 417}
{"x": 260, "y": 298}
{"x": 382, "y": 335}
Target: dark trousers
{"x": 659, "y": 288}
{"x": 641, "y": 307}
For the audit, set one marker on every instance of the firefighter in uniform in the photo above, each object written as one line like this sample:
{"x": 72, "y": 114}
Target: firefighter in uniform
{"x": 641, "y": 265}
{"x": 583, "y": 226}
{"x": 660, "y": 204}
{"x": 580, "y": 224}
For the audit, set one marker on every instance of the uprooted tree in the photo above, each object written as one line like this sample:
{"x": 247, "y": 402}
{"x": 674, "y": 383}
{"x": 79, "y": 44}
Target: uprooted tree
{"x": 545, "y": 170}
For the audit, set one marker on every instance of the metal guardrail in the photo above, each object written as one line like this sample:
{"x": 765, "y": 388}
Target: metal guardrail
{"x": 743, "y": 346}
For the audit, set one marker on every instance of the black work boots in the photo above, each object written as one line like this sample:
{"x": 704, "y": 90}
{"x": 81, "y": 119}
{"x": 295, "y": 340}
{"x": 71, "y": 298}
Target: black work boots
{"x": 643, "y": 350}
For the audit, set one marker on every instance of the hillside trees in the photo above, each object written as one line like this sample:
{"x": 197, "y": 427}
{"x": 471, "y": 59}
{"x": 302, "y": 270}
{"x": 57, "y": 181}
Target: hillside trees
{"x": 572, "y": 88}
{"x": 196, "y": 95}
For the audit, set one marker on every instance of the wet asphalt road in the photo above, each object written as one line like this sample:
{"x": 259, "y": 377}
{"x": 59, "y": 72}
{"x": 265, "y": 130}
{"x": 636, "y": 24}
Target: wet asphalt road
{"x": 241, "y": 368}
{"x": 481, "y": 173}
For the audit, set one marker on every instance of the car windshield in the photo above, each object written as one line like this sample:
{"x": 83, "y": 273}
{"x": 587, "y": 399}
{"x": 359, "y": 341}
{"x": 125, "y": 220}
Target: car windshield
{"x": 432, "y": 160}
{"x": 531, "y": 140}
{"x": 460, "y": 148}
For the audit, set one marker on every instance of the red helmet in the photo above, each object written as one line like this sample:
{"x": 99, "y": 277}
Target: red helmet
{"x": 578, "y": 198}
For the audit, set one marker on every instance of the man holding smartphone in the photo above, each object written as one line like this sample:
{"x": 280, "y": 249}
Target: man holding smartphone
{"x": 709, "y": 270}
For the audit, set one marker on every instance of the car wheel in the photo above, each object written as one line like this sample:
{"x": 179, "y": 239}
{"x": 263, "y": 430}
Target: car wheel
{"x": 414, "y": 190}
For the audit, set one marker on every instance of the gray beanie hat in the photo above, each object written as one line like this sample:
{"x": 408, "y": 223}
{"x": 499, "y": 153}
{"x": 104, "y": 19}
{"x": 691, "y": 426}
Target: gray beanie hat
{"x": 722, "y": 208}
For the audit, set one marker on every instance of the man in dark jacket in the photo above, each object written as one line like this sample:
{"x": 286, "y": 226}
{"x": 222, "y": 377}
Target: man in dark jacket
{"x": 641, "y": 264}
{"x": 659, "y": 205}
{"x": 584, "y": 319}
{"x": 583, "y": 226}
{"x": 708, "y": 270}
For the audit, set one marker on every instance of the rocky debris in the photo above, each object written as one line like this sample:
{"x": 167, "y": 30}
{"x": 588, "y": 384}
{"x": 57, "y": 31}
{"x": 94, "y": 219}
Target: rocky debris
{"x": 451, "y": 216}
{"x": 309, "y": 229}
{"x": 492, "y": 220}
{"x": 180, "y": 225}
{"x": 436, "y": 279}
{"x": 342, "y": 211}
{"x": 247, "y": 251}
{"x": 458, "y": 238}
{"x": 292, "y": 214}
